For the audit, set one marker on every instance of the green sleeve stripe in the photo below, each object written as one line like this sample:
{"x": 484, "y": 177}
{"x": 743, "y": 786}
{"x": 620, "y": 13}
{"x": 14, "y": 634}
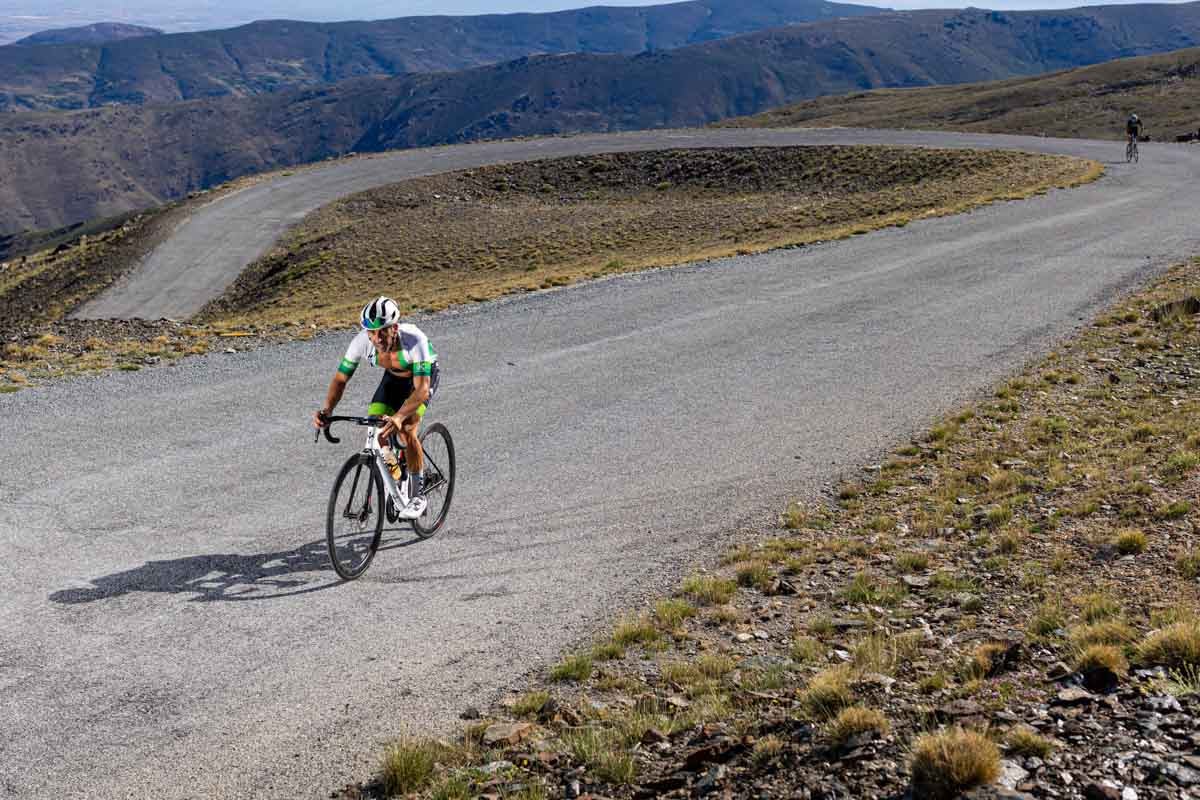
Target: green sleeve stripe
{"x": 347, "y": 367}
{"x": 422, "y": 368}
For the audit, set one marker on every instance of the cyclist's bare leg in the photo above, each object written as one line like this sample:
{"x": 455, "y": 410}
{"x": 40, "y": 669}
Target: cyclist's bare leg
{"x": 413, "y": 456}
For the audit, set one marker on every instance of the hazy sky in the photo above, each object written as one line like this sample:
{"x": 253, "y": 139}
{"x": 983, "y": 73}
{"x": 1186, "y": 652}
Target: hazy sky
{"x": 20, "y": 17}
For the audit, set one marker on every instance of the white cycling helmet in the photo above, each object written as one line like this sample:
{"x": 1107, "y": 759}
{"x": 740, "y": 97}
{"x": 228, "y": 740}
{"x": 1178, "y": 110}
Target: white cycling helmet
{"x": 1133, "y": 117}
{"x": 381, "y": 312}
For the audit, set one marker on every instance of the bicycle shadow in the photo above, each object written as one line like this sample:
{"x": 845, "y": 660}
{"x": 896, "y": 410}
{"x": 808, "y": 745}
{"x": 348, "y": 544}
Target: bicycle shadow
{"x": 227, "y": 576}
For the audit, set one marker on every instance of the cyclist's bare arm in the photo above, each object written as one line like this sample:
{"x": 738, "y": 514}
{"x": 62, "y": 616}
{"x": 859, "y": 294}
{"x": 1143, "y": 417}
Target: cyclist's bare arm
{"x": 337, "y": 385}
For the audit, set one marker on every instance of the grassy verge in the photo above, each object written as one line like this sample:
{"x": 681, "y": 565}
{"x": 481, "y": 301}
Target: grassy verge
{"x": 1019, "y": 583}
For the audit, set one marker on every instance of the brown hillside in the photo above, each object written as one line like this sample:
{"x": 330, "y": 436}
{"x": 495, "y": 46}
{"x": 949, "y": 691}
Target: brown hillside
{"x": 1090, "y": 102}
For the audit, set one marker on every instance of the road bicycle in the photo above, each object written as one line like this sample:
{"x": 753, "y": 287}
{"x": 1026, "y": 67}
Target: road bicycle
{"x": 366, "y": 493}
{"x": 1131, "y": 151}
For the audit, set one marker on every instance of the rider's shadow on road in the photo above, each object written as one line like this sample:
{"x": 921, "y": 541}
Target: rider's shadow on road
{"x": 225, "y": 576}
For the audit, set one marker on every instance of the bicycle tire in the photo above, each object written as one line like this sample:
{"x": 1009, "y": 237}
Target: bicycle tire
{"x": 352, "y": 550}
{"x": 438, "y": 450}
{"x": 1135, "y": 153}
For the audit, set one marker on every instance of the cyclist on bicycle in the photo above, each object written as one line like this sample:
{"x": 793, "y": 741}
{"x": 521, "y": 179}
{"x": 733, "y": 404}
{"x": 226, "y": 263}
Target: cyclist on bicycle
{"x": 409, "y": 382}
{"x": 1133, "y": 128}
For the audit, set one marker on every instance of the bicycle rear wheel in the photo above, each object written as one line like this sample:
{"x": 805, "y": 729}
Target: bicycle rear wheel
{"x": 354, "y": 522}
{"x": 438, "y": 449}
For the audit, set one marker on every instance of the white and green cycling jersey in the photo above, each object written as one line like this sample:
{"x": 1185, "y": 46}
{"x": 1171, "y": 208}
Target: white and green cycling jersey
{"x": 416, "y": 353}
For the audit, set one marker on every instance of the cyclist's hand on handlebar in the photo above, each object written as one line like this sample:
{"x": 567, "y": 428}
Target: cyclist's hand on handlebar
{"x": 320, "y": 418}
{"x": 389, "y": 427}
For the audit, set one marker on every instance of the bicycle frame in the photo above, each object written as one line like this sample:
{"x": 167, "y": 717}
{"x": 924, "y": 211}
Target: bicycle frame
{"x": 398, "y": 492}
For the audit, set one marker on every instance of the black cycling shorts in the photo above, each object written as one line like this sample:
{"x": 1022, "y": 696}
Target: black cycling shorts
{"x": 394, "y": 390}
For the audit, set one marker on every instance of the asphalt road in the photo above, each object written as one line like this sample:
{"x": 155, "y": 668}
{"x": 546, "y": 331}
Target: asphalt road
{"x": 170, "y": 628}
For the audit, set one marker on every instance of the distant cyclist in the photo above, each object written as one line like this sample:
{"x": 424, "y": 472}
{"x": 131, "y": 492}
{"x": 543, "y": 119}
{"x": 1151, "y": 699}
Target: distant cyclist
{"x": 1133, "y": 128}
{"x": 409, "y": 382}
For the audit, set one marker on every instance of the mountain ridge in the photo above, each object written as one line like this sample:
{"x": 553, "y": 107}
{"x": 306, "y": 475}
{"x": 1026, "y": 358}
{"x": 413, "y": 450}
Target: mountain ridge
{"x": 96, "y": 33}
{"x": 270, "y": 55}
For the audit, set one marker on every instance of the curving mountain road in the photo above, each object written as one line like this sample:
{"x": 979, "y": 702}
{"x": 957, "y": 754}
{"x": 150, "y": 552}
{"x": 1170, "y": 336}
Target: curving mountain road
{"x": 210, "y": 249}
{"x": 170, "y": 627}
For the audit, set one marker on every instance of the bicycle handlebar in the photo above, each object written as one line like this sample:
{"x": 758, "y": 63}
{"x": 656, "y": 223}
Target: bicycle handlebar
{"x": 329, "y": 424}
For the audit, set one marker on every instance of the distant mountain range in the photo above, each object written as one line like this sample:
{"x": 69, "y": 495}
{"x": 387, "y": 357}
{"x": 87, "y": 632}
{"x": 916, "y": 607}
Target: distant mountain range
{"x": 273, "y": 55}
{"x": 60, "y": 168}
{"x": 94, "y": 34}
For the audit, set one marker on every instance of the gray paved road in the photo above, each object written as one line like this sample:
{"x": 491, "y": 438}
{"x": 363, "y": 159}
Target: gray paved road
{"x": 170, "y": 628}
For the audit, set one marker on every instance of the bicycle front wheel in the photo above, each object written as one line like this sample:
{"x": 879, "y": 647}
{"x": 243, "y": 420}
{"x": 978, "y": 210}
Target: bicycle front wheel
{"x": 354, "y": 523}
{"x": 438, "y": 449}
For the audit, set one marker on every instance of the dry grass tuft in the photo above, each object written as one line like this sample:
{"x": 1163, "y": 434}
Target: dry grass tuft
{"x": 573, "y": 668}
{"x": 671, "y": 612}
{"x": 947, "y": 763}
{"x": 409, "y": 763}
{"x": 603, "y": 753}
{"x": 1048, "y": 619}
{"x": 530, "y": 704}
{"x": 827, "y": 693}
{"x": 709, "y": 589}
{"x": 766, "y": 750}
{"x": 1177, "y": 646}
{"x": 807, "y": 650}
{"x": 983, "y": 660}
{"x": 1110, "y": 632}
{"x": 755, "y": 575}
{"x": 639, "y": 631}
{"x": 1026, "y": 742}
{"x": 1102, "y": 656}
{"x": 1097, "y": 607}
{"x": 1130, "y": 541}
{"x": 853, "y": 721}
{"x": 912, "y": 562}
{"x": 1188, "y": 564}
